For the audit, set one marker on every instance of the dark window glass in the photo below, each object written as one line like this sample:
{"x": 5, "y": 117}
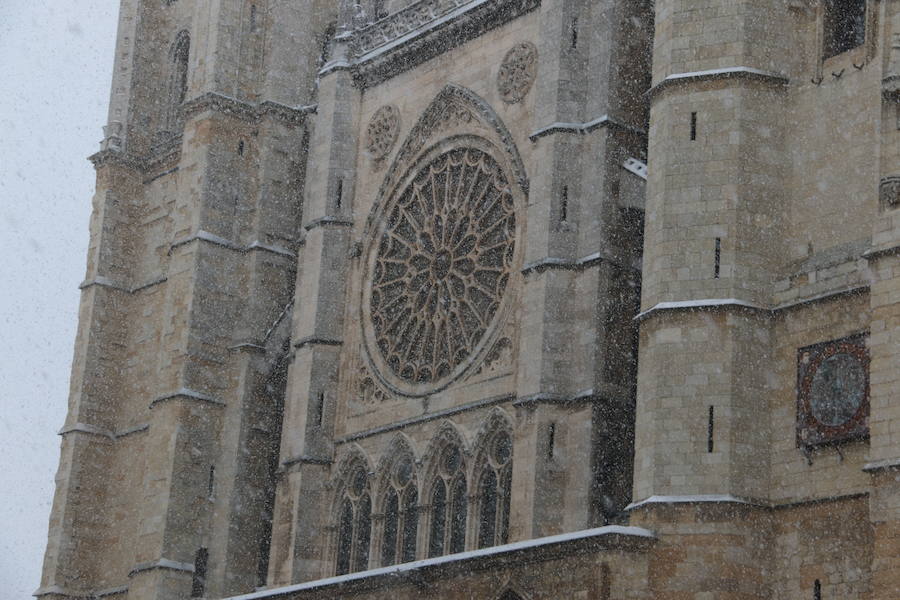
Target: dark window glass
{"x": 345, "y": 539}
{"x": 487, "y": 522}
{"x": 198, "y": 582}
{"x": 363, "y": 534}
{"x": 845, "y": 25}
{"x": 438, "y": 519}
{"x": 458, "y": 515}
{"x": 410, "y": 525}
{"x": 503, "y": 521}
{"x": 391, "y": 524}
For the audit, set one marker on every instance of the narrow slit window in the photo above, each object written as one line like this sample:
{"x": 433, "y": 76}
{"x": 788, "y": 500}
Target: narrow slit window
{"x": 693, "y": 126}
{"x": 211, "y": 484}
{"x": 241, "y": 147}
{"x": 198, "y": 580}
{"x": 320, "y": 409}
{"x": 718, "y": 267}
{"x": 551, "y": 440}
{"x": 817, "y": 590}
{"x": 339, "y": 195}
{"x": 845, "y": 26}
{"x": 574, "y": 33}
{"x": 564, "y": 205}
{"x": 252, "y": 17}
{"x": 710, "y": 445}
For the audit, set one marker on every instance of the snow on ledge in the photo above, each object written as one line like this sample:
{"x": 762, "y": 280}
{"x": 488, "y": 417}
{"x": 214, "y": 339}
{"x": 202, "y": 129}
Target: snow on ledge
{"x": 704, "y": 303}
{"x": 724, "y": 72}
{"x": 637, "y": 532}
{"x": 697, "y": 499}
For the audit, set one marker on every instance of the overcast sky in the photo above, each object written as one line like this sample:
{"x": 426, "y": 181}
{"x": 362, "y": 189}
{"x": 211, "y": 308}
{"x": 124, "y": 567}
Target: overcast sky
{"x": 55, "y": 69}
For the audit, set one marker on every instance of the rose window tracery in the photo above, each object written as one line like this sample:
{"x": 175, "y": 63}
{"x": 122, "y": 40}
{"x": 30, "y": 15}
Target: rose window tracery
{"x": 442, "y": 265}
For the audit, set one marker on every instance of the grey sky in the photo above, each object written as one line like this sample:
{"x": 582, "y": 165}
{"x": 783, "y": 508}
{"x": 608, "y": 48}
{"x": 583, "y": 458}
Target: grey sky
{"x": 55, "y": 68}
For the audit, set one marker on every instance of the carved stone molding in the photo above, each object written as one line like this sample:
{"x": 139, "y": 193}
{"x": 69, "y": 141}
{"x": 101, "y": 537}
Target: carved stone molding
{"x": 382, "y": 132}
{"x": 517, "y": 72}
{"x": 889, "y": 191}
{"x": 423, "y": 30}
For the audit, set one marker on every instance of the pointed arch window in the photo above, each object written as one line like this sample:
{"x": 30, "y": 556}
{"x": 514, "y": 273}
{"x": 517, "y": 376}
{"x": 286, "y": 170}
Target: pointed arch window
{"x": 449, "y": 505}
{"x": 401, "y": 515}
{"x": 495, "y": 477}
{"x": 354, "y": 524}
{"x": 178, "y": 80}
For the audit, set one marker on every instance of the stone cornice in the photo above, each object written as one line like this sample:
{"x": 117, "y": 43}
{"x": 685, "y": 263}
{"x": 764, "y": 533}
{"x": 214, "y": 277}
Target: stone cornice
{"x": 611, "y": 537}
{"x": 605, "y": 121}
{"x": 739, "y": 72}
{"x": 578, "y": 264}
{"x": 246, "y": 111}
{"x": 188, "y": 395}
{"x": 162, "y": 563}
{"x": 421, "y": 31}
{"x": 710, "y": 304}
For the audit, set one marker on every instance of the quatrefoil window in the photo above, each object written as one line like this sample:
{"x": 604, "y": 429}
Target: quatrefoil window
{"x": 442, "y": 266}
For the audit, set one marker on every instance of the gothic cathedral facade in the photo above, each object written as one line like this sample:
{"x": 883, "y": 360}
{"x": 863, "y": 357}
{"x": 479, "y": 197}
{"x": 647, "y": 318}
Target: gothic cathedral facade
{"x": 494, "y": 299}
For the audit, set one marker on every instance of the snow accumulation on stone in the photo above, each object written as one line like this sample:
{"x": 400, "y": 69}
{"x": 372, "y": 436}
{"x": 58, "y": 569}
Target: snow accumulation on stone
{"x": 697, "y": 499}
{"x": 703, "y": 303}
{"x": 452, "y": 558}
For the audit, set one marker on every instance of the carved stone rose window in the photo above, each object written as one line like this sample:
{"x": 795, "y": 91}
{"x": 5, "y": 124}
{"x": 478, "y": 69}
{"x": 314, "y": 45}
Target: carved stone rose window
{"x": 439, "y": 271}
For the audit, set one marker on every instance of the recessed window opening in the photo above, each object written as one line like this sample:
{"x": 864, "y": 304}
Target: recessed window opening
{"x": 211, "y": 484}
{"x": 241, "y": 147}
{"x": 710, "y": 445}
{"x": 718, "y": 267}
{"x": 198, "y": 580}
{"x": 252, "y": 17}
{"x": 551, "y": 440}
{"x": 845, "y": 26}
{"x": 564, "y": 205}
{"x": 339, "y": 195}
{"x": 817, "y": 590}
{"x": 693, "y": 126}
{"x": 574, "y": 32}
{"x": 319, "y": 415}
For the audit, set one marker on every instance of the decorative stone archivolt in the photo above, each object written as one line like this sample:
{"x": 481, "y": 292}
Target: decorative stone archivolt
{"x": 381, "y": 134}
{"x": 441, "y": 267}
{"x": 517, "y": 72}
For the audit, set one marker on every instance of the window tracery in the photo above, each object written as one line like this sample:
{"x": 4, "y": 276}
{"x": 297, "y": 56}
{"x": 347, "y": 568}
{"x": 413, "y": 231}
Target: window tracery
{"x": 354, "y": 523}
{"x": 401, "y": 514}
{"x": 493, "y": 489}
{"x": 449, "y": 504}
{"x": 441, "y": 267}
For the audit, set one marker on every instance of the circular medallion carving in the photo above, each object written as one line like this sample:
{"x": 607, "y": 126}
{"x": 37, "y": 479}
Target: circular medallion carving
{"x": 517, "y": 72}
{"x": 381, "y": 134}
{"x": 439, "y": 271}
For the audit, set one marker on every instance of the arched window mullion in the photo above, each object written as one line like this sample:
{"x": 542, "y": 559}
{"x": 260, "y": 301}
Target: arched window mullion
{"x": 409, "y": 527}
{"x": 438, "y": 525}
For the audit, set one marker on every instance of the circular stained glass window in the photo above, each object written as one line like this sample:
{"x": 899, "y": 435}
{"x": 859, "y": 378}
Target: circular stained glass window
{"x": 838, "y": 389}
{"x": 439, "y": 270}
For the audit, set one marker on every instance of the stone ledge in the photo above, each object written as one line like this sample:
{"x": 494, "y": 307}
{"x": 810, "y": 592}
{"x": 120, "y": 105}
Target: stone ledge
{"x": 585, "y": 128}
{"x": 739, "y": 72}
{"x": 101, "y": 432}
{"x": 247, "y": 111}
{"x": 186, "y": 394}
{"x": 328, "y": 221}
{"x": 578, "y": 264}
{"x": 312, "y": 340}
{"x": 162, "y": 563}
{"x": 106, "y": 282}
{"x": 888, "y": 464}
{"x": 611, "y": 537}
